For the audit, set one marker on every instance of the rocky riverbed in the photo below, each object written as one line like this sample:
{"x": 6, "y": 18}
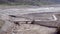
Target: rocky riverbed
{"x": 11, "y": 28}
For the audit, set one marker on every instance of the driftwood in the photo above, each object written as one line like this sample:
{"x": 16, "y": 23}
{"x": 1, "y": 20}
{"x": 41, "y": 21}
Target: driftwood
{"x": 17, "y": 23}
{"x": 12, "y": 15}
{"x": 33, "y": 22}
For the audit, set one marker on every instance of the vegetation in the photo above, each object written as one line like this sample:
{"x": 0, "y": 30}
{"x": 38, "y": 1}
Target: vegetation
{"x": 22, "y": 2}
{"x": 1, "y": 23}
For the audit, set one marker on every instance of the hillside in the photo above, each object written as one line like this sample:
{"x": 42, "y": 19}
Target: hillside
{"x": 29, "y": 2}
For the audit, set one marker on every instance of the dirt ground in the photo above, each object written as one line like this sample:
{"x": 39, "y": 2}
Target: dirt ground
{"x": 31, "y": 29}
{"x": 34, "y": 29}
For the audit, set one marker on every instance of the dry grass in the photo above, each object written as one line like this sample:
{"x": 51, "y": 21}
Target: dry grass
{"x": 1, "y": 23}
